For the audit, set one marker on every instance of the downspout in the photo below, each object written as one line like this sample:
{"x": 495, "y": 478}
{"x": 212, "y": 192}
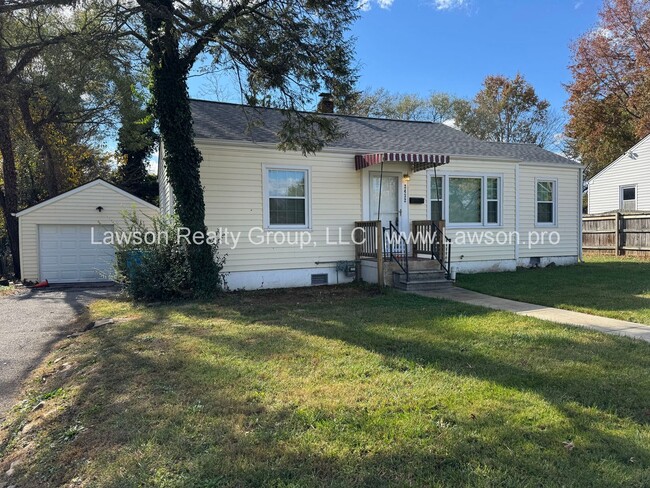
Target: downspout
{"x": 435, "y": 178}
{"x": 381, "y": 182}
{"x": 580, "y": 183}
{"x": 517, "y": 215}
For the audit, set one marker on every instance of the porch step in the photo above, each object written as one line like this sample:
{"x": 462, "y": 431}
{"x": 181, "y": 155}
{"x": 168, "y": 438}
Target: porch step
{"x": 421, "y": 281}
{"x": 420, "y": 264}
{"x": 429, "y": 275}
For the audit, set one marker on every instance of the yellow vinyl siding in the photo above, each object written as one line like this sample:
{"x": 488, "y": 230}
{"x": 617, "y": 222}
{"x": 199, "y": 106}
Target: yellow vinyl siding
{"x": 567, "y": 212}
{"x": 232, "y": 176}
{"x": 164, "y": 188}
{"x": 77, "y": 209}
{"x": 463, "y": 251}
{"x": 417, "y": 187}
{"x": 233, "y": 182}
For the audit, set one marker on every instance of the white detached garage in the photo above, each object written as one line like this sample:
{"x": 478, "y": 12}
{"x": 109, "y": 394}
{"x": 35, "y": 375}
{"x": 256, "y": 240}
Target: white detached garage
{"x": 56, "y": 235}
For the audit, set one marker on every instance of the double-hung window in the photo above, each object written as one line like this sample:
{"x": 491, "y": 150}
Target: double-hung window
{"x": 435, "y": 192}
{"x": 465, "y": 200}
{"x": 492, "y": 198}
{"x": 286, "y": 200}
{"x": 546, "y": 205}
{"x": 472, "y": 200}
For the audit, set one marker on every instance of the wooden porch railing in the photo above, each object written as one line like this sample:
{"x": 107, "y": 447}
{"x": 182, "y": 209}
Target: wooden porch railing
{"x": 369, "y": 235}
{"x": 424, "y": 235}
{"x": 429, "y": 238}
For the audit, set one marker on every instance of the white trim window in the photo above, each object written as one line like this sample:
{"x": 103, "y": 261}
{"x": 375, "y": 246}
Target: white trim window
{"x": 545, "y": 202}
{"x": 436, "y": 200}
{"x": 473, "y": 200}
{"x": 493, "y": 200}
{"x": 627, "y": 197}
{"x": 286, "y": 198}
{"x": 465, "y": 200}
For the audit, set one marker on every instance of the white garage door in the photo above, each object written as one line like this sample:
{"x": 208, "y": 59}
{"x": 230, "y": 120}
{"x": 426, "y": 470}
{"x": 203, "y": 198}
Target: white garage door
{"x": 67, "y": 254}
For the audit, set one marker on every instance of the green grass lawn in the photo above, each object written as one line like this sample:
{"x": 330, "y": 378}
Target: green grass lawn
{"x": 333, "y": 387}
{"x": 607, "y": 286}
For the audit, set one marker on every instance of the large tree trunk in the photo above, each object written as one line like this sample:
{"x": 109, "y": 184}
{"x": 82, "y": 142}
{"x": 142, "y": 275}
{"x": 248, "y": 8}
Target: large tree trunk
{"x": 182, "y": 157}
{"x": 9, "y": 197}
{"x": 38, "y": 137}
{"x": 9, "y": 194}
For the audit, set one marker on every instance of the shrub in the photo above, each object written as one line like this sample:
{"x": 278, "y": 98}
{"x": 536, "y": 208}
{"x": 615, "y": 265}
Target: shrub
{"x": 156, "y": 269}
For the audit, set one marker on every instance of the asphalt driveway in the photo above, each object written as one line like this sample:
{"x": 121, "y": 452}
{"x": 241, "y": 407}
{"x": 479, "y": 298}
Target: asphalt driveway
{"x": 30, "y": 323}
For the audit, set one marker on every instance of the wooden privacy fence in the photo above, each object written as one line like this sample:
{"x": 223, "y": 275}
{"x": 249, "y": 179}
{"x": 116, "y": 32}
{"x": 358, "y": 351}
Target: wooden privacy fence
{"x": 617, "y": 234}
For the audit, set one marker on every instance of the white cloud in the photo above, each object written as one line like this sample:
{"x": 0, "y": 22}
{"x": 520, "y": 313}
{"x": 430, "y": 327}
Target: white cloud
{"x": 365, "y": 5}
{"x": 449, "y": 4}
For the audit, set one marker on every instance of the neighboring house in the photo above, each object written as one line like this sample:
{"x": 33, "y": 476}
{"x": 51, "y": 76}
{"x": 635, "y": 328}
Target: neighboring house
{"x": 59, "y": 237}
{"x": 624, "y": 184}
{"x": 400, "y": 172}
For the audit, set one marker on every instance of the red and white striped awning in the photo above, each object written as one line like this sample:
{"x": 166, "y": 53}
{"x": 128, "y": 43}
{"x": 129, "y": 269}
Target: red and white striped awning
{"x": 419, "y": 162}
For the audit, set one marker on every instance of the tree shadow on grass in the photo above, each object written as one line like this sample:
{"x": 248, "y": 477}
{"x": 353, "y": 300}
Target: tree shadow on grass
{"x": 588, "y": 368}
{"x": 582, "y": 374}
{"x": 184, "y": 398}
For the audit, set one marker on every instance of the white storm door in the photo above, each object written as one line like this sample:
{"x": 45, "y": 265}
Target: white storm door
{"x": 388, "y": 210}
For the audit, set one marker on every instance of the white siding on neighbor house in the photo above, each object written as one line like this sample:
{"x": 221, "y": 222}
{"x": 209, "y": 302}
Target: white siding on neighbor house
{"x": 567, "y": 212}
{"x": 78, "y": 208}
{"x": 604, "y": 188}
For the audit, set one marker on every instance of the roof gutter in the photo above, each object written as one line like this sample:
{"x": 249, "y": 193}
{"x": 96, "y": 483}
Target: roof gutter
{"x": 349, "y": 150}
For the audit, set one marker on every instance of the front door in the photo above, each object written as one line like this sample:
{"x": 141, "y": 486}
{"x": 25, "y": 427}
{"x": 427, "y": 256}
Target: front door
{"x": 386, "y": 208}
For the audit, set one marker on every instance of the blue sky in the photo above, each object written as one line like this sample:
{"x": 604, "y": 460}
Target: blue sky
{"x": 420, "y": 46}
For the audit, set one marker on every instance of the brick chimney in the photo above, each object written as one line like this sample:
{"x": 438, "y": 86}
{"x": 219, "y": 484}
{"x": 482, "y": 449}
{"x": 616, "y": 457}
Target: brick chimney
{"x": 326, "y": 103}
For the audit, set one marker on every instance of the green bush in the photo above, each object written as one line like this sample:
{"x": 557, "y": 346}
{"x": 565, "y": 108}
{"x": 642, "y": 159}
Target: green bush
{"x": 156, "y": 269}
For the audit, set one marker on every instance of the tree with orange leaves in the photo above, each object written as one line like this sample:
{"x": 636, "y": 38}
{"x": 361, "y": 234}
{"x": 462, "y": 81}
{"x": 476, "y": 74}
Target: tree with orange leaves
{"x": 609, "y": 97}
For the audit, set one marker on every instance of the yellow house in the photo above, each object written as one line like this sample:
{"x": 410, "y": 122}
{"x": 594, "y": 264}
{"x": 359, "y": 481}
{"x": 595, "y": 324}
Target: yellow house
{"x": 421, "y": 200}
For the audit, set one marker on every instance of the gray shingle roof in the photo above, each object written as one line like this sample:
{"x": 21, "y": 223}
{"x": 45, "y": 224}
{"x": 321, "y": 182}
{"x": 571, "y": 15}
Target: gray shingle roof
{"x": 232, "y": 122}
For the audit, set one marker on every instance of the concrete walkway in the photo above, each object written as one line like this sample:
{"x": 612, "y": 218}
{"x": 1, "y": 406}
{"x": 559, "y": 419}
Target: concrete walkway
{"x": 601, "y": 324}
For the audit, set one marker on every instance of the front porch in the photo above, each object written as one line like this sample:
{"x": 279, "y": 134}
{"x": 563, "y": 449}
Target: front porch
{"x": 416, "y": 260}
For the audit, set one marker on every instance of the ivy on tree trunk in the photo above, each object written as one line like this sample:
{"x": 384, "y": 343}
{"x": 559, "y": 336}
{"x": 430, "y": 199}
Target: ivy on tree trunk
{"x": 287, "y": 49}
{"x": 9, "y": 193}
{"x": 182, "y": 158}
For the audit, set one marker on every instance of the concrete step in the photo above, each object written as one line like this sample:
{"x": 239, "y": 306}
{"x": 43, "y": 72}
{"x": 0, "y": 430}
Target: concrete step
{"x": 422, "y": 285}
{"x": 420, "y": 280}
{"x": 423, "y": 264}
{"x": 428, "y": 275}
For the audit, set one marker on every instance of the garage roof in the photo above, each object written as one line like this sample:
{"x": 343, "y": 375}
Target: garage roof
{"x": 81, "y": 188}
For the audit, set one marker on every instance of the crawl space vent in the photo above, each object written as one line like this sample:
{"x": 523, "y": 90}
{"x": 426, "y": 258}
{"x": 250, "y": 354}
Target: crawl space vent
{"x": 319, "y": 279}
